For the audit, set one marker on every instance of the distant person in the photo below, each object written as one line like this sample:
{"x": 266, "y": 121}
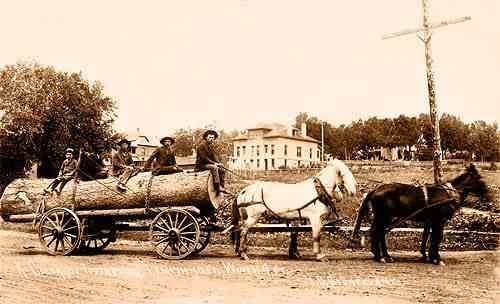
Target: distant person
{"x": 123, "y": 165}
{"x": 164, "y": 157}
{"x": 66, "y": 173}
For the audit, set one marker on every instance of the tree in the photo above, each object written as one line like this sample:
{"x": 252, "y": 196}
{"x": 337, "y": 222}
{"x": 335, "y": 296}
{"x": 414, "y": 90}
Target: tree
{"x": 485, "y": 141}
{"x": 454, "y": 133}
{"x": 46, "y": 111}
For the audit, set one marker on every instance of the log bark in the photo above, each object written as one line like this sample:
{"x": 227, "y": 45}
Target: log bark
{"x": 181, "y": 189}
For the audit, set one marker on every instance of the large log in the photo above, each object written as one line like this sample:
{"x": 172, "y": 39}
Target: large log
{"x": 181, "y": 189}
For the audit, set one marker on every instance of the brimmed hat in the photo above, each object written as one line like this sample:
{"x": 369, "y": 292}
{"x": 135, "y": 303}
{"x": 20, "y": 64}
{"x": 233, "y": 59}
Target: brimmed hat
{"x": 124, "y": 140}
{"x": 69, "y": 150}
{"x": 208, "y": 132}
{"x": 172, "y": 140}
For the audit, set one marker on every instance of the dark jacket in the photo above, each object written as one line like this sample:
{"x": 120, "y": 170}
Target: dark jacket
{"x": 164, "y": 156}
{"x": 120, "y": 160}
{"x": 205, "y": 155}
{"x": 92, "y": 167}
{"x": 68, "y": 167}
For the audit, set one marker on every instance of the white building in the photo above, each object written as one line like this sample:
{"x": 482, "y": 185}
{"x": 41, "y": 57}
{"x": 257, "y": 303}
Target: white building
{"x": 274, "y": 146}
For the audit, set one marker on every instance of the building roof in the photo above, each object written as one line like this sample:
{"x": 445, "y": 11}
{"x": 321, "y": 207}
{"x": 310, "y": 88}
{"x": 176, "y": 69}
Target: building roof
{"x": 137, "y": 138}
{"x": 275, "y": 130}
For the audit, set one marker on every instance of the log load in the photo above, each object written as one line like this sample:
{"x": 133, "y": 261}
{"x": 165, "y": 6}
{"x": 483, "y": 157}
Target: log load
{"x": 23, "y": 196}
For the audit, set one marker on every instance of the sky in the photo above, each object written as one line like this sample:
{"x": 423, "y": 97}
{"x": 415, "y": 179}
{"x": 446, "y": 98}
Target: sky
{"x": 235, "y": 63}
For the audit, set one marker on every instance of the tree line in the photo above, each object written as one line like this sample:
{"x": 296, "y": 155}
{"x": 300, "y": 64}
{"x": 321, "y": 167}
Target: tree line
{"x": 43, "y": 111}
{"x": 458, "y": 139}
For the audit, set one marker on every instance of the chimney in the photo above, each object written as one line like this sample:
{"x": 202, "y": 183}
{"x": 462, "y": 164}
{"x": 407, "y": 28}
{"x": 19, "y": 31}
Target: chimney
{"x": 303, "y": 130}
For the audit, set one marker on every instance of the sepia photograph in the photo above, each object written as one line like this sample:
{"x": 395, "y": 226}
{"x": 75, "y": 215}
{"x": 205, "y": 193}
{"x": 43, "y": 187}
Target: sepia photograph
{"x": 250, "y": 151}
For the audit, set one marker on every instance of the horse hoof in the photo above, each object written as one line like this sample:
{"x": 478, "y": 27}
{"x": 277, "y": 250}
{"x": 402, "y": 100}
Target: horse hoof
{"x": 244, "y": 257}
{"x": 294, "y": 256}
{"x": 382, "y": 260}
{"x": 320, "y": 257}
{"x": 389, "y": 259}
{"x": 441, "y": 263}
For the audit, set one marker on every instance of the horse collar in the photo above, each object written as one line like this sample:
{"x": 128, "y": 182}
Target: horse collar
{"x": 324, "y": 196}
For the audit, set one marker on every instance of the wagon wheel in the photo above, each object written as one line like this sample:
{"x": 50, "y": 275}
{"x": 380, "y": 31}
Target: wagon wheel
{"x": 59, "y": 231}
{"x": 98, "y": 236}
{"x": 174, "y": 234}
{"x": 204, "y": 235}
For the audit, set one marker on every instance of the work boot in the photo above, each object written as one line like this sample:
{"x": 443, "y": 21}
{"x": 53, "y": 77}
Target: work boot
{"x": 212, "y": 223}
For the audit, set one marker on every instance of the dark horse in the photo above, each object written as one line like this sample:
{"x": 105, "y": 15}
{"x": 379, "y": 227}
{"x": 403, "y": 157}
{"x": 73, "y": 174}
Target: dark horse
{"x": 438, "y": 203}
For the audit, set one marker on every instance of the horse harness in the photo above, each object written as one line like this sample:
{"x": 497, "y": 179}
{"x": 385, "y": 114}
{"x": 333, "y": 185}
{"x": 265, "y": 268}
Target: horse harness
{"x": 453, "y": 198}
{"x": 323, "y": 196}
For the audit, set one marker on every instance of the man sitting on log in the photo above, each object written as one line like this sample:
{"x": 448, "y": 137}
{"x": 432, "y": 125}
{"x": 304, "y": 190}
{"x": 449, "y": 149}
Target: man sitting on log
{"x": 92, "y": 166}
{"x": 206, "y": 160}
{"x": 123, "y": 165}
{"x": 66, "y": 173}
{"x": 165, "y": 158}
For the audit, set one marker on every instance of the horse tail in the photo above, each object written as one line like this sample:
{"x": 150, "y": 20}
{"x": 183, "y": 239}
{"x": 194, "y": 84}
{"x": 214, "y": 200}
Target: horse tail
{"x": 363, "y": 210}
{"x": 235, "y": 219}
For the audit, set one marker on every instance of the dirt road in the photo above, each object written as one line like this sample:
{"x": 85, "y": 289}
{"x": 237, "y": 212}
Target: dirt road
{"x": 128, "y": 271}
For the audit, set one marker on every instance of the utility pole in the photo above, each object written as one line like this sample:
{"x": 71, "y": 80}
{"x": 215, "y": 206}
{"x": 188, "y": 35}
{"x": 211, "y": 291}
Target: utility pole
{"x": 433, "y": 109}
{"x": 322, "y": 143}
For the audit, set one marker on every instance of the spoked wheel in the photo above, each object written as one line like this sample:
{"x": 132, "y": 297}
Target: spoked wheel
{"x": 204, "y": 235}
{"x": 98, "y": 235}
{"x": 174, "y": 234}
{"x": 59, "y": 231}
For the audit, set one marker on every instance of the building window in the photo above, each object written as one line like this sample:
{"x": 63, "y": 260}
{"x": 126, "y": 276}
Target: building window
{"x": 143, "y": 151}
{"x": 286, "y": 152}
{"x": 285, "y": 163}
{"x": 272, "y": 163}
{"x": 317, "y": 154}
{"x": 272, "y": 149}
{"x": 244, "y": 150}
{"x": 238, "y": 151}
{"x": 251, "y": 153}
{"x": 258, "y": 150}
{"x": 133, "y": 150}
{"x": 265, "y": 149}
{"x": 299, "y": 151}
{"x": 311, "y": 153}
{"x": 258, "y": 163}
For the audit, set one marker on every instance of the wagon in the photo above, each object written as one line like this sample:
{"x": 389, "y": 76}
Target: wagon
{"x": 88, "y": 215}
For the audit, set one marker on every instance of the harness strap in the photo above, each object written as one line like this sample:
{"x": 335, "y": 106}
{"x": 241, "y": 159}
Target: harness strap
{"x": 265, "y": 205}
{"x": 426, "y": 195}
{"x": 324, "y": 196}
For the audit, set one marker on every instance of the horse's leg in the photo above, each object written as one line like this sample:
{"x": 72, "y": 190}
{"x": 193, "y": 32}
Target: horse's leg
{"x": 383, "y": 244}
{"x": 377, "y": 236}
{"x": 248, "y": 222}
{"x": 293, "y": 251}
{"x": 425, "y": 237}
{"x": 316, "y": 233}
{"x": 436, "y": 238}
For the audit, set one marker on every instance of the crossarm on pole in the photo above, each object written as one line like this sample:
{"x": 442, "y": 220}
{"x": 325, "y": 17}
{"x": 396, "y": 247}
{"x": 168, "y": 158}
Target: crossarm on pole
{"x": 432, "y": 26}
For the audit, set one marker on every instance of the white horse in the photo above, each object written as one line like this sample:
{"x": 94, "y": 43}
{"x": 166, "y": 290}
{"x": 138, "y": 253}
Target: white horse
{"x": 311, "y": 199}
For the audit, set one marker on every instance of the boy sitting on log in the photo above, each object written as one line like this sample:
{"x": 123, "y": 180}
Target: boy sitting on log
{"x": 66, "y": 173}
{"x": 123, "y": 165}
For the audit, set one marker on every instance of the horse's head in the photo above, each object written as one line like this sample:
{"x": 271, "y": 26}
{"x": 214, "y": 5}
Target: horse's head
{"x": 471, "y": 182}
{"x": 338, "y": 174}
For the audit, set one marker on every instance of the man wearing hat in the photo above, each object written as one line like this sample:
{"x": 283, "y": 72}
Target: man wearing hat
{"x": 165, "y": 158}
{"x": 206, "y": 160}
{"x": 92, "y": 166}
{"x": 66, "y": 173}
{"x": 123, "y": 165}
